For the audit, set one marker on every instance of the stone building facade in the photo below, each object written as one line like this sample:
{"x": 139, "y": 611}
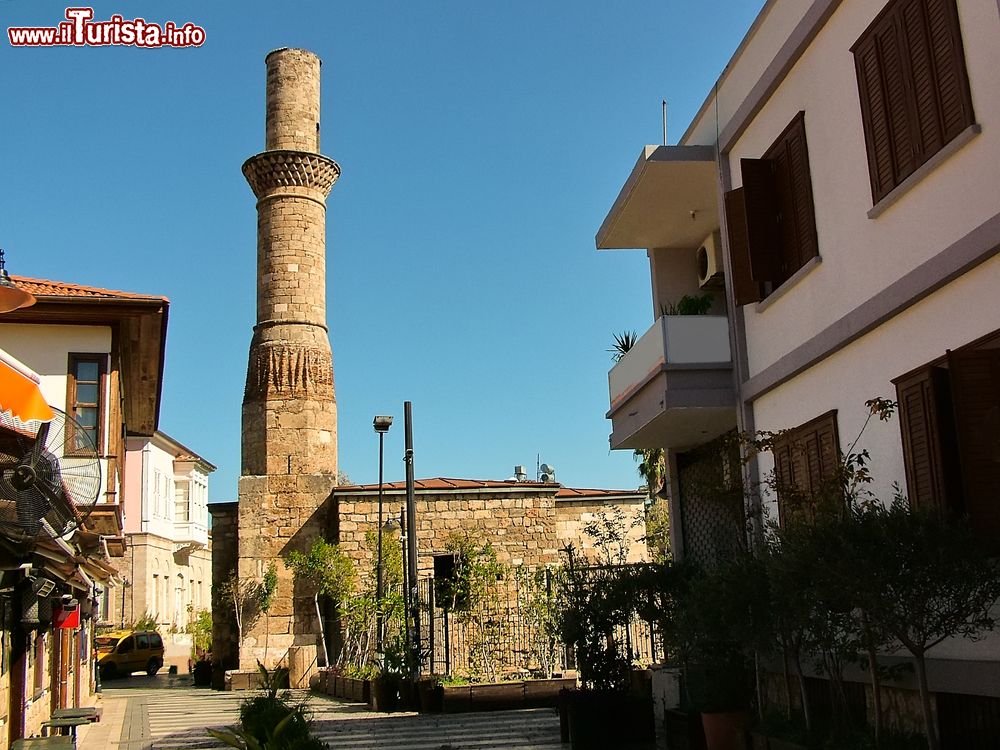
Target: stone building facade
{"x": 528, "y": 523}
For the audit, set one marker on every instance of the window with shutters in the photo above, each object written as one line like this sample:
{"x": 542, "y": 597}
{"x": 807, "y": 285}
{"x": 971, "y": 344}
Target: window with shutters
{"x": 949, "y": 418}
{"x": 84, "y": 401}
{"x": 771, "y": 221}
{"x": 913, "y": 86}
{"x": 806, "y": 459}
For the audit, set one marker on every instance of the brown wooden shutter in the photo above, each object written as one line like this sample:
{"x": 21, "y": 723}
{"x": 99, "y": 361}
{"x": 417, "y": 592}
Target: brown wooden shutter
{"x": 975, "y": 388}
{"x": 793, "y": 186}
{"x": 926, "y": 126}
{"x": 913, "y": 87}
{"x": 951, "y": 76}
{"x": 762, "y": 209}
{"x": 745, "y": 289}
{"x": 927, "y": 430}
{"x": 804, "y": 458}
{"x": 783, "y": 475}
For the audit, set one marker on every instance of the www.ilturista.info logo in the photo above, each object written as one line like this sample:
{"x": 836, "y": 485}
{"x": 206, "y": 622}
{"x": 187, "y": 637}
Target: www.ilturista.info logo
{"x": 80, "y": 30}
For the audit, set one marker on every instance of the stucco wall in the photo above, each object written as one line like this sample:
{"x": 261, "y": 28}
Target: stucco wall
{"x": 862, "y": 256}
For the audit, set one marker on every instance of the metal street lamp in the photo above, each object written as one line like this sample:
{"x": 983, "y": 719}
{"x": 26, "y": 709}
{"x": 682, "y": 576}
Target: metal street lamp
{"x": 381, "y": 425}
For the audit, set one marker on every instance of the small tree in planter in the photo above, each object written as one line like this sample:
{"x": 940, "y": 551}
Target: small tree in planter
{"x": 720, "y": 618}
{"x": 538, "y": 606}
{"x": 362, "y": 613}
{"x": 249, "y": 599}
{"x": 596, "y": 604}
{"x": 471, "y": 594}
{"x": 323, "y": 571}
{"x": 934, "y": 581}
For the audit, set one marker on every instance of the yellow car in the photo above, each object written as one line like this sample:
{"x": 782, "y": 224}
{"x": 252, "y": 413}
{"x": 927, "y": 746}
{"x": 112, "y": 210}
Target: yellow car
{"x": 126, "y": 651}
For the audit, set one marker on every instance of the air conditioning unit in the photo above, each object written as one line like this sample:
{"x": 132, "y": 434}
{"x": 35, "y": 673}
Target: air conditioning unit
{"x": 710, "y": 262}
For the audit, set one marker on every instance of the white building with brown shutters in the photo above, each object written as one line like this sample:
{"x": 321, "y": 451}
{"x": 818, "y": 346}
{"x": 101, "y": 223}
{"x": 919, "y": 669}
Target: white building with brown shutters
{"x": 837, "y": 193}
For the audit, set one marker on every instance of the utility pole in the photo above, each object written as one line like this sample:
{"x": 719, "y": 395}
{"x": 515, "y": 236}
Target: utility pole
{"x": 411, "y": 538}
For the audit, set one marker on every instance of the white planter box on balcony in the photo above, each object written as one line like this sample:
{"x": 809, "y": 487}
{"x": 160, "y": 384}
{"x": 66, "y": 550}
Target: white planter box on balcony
{"x": 675, "y": 385}
{"x": 675, "y": 340}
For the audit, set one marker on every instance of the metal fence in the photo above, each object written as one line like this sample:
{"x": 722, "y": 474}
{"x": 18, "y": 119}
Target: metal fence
{"x": 512, "y": 632}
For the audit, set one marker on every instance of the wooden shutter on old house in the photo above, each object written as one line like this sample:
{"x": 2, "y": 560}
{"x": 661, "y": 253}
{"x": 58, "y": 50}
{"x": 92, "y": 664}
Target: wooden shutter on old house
{"x": 913, "y": 87}
{"x": 745, "y": 289}
{"x": 762, "y": 209}
{"x": 975, "y": 389}
{"x": 793, "y": 184}
{"x": 927, "y": 429}
{"x": 779, "y": 212}
{"x": 804, "y": 459}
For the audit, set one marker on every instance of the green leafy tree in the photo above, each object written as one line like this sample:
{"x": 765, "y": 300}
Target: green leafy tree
{"x": 609, "y": 533}
{"x": 934, "y": 581}
{"x": 147, "y": 621}
{"x": 248, "y": 599}
{"x": 324, "y": 570}
{"x": 473, "y": 595}
{"x": 200, "y": 628}
{"x": 362, "y": 613}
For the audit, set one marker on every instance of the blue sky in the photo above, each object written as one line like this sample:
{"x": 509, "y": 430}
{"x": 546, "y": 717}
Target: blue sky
{"x": 481, "y": 146}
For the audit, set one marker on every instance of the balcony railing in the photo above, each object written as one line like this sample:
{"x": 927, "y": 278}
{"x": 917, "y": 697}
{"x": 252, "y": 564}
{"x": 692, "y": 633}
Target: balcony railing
{"x": 673, "y": 340}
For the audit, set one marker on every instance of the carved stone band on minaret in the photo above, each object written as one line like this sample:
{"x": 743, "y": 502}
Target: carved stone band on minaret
{"x": 281, "y": 371}
{"x": 269, "y": 171}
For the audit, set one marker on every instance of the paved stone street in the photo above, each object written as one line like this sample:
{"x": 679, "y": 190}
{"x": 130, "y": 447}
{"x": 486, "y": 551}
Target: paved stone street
{"x": 164, "y": 713}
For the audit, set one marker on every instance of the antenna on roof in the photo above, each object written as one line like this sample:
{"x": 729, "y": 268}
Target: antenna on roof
{"x": 664, "y": 122}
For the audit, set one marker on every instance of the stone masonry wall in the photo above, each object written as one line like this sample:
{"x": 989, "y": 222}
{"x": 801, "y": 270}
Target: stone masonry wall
{"x": 573, "y": 515}
{"x": 224, "y": 557}
{"x": 521, "y": 525}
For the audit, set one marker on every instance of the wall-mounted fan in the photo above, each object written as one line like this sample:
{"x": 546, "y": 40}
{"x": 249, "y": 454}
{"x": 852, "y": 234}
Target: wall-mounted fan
{"x": 50, "y": 476}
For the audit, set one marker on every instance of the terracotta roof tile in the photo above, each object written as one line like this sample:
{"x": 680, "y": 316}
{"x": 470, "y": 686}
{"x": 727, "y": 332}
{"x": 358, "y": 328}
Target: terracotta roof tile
{"x": 44, "y": 288}
{"x": 444, "y": 483}
{"x": 571, "y": 493}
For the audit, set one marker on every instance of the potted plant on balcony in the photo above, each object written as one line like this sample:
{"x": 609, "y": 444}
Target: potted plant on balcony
{"x": 698, "y": 304}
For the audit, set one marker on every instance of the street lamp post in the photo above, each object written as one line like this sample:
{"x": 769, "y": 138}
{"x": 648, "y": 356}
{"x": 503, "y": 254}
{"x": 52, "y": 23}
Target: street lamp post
{"x": 125, "y": 584}
{"x": 381, "y": 425}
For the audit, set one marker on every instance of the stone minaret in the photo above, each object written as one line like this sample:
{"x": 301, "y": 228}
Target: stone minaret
{"x": 289, "y": 446}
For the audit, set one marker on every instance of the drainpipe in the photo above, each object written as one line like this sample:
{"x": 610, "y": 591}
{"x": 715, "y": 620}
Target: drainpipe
{"x": 738, "y": 353}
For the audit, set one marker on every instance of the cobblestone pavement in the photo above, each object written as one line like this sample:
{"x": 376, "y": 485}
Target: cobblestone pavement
{"x": 168, "y": 714}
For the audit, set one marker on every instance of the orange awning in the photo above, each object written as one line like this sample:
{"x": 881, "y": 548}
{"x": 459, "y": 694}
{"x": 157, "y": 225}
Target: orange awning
{"x": 19, "y": 393}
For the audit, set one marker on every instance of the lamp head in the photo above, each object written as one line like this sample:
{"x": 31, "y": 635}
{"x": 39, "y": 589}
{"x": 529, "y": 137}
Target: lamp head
{"x": 12, "y": 297}
{"x": 382, "y": 424}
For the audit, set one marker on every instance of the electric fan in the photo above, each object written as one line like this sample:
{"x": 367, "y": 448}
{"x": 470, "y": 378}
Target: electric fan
{"x": 50, "y": 476}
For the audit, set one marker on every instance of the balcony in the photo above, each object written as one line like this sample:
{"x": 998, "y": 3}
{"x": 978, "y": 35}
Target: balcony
{"x": 190, "y": 534}
{"x": 674, "y": 388}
